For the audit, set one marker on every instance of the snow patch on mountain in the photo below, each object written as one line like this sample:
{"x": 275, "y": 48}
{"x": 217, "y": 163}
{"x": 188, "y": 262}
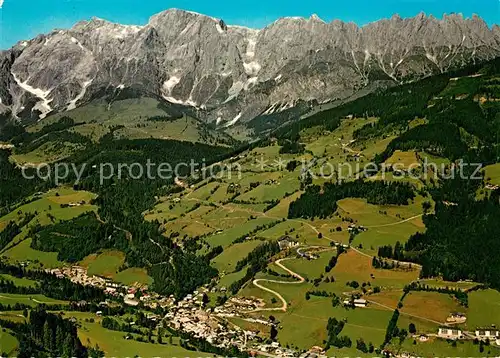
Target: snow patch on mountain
{"x": 233, "y": 121}
{"x": 169, "y": 85}
{"x": 72, "y": 103}
{"x": 44, "y": 105}
{"x": 219, "y": 28}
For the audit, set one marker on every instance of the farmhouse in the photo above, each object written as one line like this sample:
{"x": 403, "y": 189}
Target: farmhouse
{"x": 423, "y": 338}
{"x": 487, "y": 333}
{"x": 456, "y": 317}
{"x": 286, "y": 242}
{"x": 360, "y": 302}
{"x": 449, "y": 333}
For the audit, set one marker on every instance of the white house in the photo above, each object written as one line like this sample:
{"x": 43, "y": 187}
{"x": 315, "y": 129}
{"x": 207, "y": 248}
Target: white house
{"x": 491, "y": 334}
{"x": 423, "y": 338}
{"x": 360, "y": 302}
{"x": 449, "y": 333}
{"x": 456, "y": 317}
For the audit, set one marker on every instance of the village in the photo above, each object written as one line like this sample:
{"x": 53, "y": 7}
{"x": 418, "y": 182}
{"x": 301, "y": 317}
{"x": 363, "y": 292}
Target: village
{"x": 190, "y": 316}
{"x": 186, "y": 315}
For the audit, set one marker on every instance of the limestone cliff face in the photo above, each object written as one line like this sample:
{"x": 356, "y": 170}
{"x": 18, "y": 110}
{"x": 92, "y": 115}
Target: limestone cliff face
{"x": 232, "y": 74}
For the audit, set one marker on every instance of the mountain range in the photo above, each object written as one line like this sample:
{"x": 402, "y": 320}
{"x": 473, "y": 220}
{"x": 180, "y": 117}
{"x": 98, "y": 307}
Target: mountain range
{"x": 229, "y": 75}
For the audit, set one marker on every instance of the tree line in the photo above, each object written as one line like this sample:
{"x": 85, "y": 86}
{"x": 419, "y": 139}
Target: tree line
{"x": 322, "y": 202}
{"x": 49, "y": 335}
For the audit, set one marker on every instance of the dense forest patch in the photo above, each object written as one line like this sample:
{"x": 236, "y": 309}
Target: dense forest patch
{"x": 322, "y": 202}
{"x": 77, "y": 238}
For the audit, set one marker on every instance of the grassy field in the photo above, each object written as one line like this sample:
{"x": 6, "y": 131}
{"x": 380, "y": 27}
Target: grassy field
{"x": 23, "y": 252}
{"x": 50, "y": 203}
{"x": 8, "y": 343}
{"x": 492, "y": 174}
{"x": 389, "y": 235}
{"x": 13, "y": 316}
{"x": 419, "y": 303}
{"x": 287, "y": 183}
{"x": 282, "y": 208}
{"x": 50, "y": 207}
{"x": 30, "y": 300}
{"x": 441, "y": 348}
{"x": 386, "y": 224}
{"x": 462, "y": 285}
{"x": 422, "y": 326}
{"x": 227, "y": 279}
{"x": 226, "y": 238}
{"x": 356, "y": 266}
{"x": 369, "y": 323}
{"x": 105, "y": 264}
{"x": 94, "y": 131}
{"x": 375, "y": 215}
{"x": 119, "y": 112}
{"x": 227, "y": 260}
{"x": 389, "y": 298}
{"x": 95, "y": 120}
{"x": 132, "y": 275}
{"x": 204, "y": 192}
{"x": 311, "y": 268}
{"x": 22, "y": 282}
{"x": 484, "y": 309}
{"x": 47, "y": 153}
{"x": 402, "y": 159}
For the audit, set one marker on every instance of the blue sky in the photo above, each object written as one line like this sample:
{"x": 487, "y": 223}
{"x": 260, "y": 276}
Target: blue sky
{"x": 24, "y": 19}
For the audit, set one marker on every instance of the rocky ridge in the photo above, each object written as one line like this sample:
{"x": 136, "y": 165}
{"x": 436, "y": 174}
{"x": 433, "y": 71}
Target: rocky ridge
{"x": 232, "y": 74}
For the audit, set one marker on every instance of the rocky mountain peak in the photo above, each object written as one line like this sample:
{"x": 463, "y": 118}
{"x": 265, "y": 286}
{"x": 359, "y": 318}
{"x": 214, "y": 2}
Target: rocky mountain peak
{"x": 232, "y": 74}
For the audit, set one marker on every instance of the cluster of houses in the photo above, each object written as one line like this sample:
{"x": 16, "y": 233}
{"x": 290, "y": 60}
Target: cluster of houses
{"x": 307, "y": 255}
{"x": 78, "y": 274}
{"x": 491, "y": 335}
{"x": 356, "y": 228}
{"x": 273, "y": 348}
{"x": 235, "y": 306}
{"x": 277, "y": 350}
{"x": 189, "y": 316}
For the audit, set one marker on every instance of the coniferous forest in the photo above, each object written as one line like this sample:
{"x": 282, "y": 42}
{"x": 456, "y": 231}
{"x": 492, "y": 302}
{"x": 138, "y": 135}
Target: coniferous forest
{"x": 376, "y": 192}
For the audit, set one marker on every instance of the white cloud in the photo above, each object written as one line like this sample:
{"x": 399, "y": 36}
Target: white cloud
{"x": 1, "y": 3}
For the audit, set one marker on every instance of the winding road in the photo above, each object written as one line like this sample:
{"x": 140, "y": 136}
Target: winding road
{"x": 284, "y": 307}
